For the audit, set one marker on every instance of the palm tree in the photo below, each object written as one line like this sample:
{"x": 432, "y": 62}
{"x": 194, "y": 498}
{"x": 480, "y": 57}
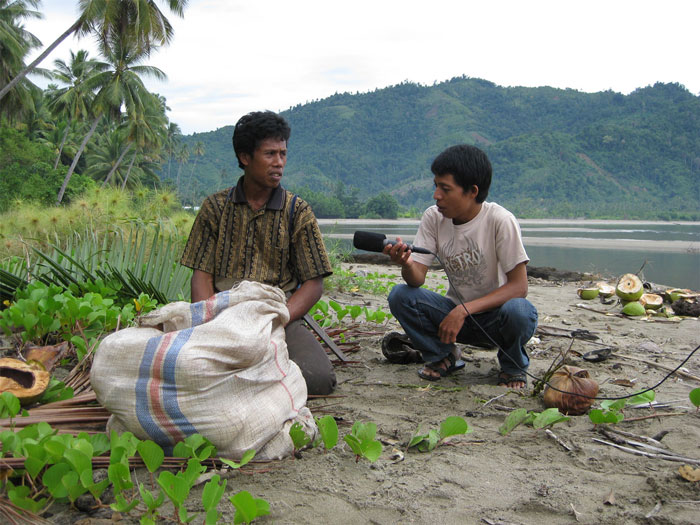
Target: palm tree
{"x": 60, "y": 139}
{"x": 171, "y": 142}
{"x": 144, "y": 168}
{"x": 118, "y": 84}
{"x": 72, "y": 101}
{"x": 139, "y": 19}
{"x": 104, "y": 156}
{"x": 198, "y": 151}
{"x": 37, "y": 117}
{"x": 145, "y": 129}
{"x": 15, "y": 44}
{"x": 182, "y": 155}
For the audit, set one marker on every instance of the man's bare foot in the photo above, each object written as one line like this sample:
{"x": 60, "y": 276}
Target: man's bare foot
{"x": 516, "y": 381}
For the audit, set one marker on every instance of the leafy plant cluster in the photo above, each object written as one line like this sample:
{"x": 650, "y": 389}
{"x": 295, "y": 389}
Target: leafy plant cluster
{"x": 694, "y": 396}
{"x": 344, "y": 203}
{"x": 323, "y": 312}
{"x": 452, "y": 426}
{"x": 28, "y": 174}
{"x": 374, "y": 283}
{"x": 362, "y": 436}
{"x": 611, "y": 411}
{"x": 59, "y": 468}
{"x": 46, "y": 314}
{"x": 538, "y": 420}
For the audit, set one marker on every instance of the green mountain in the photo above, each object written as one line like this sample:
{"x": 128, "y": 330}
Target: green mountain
{"x": 555, "y": 153}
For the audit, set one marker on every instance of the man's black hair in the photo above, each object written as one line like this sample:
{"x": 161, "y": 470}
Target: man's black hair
{"x": 253, "y": 128}
{"x": 468, "y": 165}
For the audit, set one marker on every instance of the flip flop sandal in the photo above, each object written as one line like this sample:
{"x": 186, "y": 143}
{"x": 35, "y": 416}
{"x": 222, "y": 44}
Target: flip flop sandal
{"x": 504, "y": 378}
{"x": 397, "y": 349}
{"x": 597, "y": 355}
{"x": 455, "y": 365}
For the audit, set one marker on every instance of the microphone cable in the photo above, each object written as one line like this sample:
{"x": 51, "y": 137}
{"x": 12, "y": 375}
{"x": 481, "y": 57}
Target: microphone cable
{"x": 541, "y": 380}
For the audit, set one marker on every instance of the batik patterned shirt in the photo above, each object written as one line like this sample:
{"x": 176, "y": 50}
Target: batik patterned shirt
{"x": 233, "y": 242}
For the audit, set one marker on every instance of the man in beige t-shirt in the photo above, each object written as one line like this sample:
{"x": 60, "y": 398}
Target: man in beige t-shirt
{"x": 480, "y": 247}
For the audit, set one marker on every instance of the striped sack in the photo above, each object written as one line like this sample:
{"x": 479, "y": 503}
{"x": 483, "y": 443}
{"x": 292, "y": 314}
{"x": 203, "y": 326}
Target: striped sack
{"x": 218, "y": 368}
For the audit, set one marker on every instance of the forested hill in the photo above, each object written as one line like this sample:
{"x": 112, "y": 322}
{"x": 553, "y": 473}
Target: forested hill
{"x": 555, "y": 153}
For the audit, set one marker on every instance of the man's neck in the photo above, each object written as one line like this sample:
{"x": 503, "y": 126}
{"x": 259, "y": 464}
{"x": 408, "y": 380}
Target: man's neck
{"x": 473, "y": 212}
{"x": 256, "y": 196}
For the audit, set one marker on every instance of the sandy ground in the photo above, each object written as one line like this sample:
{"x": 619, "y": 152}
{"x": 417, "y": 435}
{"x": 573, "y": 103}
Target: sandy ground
{"x": 483, "y": 477}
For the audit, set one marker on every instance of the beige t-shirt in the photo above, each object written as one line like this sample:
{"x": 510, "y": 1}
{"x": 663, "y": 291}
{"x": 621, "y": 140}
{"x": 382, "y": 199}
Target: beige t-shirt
{"x": 476, "y": 255}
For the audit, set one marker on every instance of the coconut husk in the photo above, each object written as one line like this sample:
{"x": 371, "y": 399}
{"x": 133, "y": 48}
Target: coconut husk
{"x": 49, "y": 356}
{"x": 26, "y": 380}
{"x": 687, "y": 306}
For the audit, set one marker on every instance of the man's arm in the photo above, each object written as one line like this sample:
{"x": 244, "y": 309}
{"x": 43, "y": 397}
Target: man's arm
{"x": 201, "y": 286}
{"x": 515, "y": 286}
{"x": 304, "y": 297}
{"x": 412, "y": 272}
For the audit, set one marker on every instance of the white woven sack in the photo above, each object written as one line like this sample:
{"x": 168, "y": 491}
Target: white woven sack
{"x": 219, "y": 368}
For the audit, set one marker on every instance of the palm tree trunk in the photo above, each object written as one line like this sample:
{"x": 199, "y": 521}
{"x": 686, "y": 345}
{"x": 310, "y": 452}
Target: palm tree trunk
{"x": 177, "y": 182}
{"x": 108, "y": 178}
{"x": 60, "y": 148}
{"x": 76, "y": 158}
{"x": 12, "y": 83}
{"x": 131, "y": 164}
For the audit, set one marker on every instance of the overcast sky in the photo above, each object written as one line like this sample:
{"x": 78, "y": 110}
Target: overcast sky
{"x": 229, "y": 57}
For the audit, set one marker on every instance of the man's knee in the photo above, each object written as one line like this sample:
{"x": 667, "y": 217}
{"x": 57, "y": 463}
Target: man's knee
{"x": 397, "y": 296}
{"x": 305, "y": 350}
{"x": 520, "y": 313}
{"x": 320, "y": 384}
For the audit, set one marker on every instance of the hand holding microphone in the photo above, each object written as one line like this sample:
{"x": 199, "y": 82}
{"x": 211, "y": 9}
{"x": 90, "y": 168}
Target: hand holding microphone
{"x": 375, "y": 242}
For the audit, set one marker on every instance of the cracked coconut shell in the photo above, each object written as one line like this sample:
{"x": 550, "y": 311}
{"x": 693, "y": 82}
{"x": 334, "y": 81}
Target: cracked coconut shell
{"x": 575, "y": 380}
{"x": 629, "y": 287}
{"x": 26, "y": 380}
{"x": 651, "y": 301}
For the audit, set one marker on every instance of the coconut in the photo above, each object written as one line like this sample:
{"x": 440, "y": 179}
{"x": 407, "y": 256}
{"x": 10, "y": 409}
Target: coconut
{"x": 26, "y": 380}
{"x": 629, "y": 287}
{"x": 569, "y": 382}
{"x": 605, "y": 289}
{"x": 587, "y": 293}
{"x": 651, "y": 301}
{"x": 634, "y": 308}
{"x": 673, "y": 294}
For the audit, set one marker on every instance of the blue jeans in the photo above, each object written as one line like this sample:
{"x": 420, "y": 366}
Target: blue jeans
{"x": 420, "y": 312}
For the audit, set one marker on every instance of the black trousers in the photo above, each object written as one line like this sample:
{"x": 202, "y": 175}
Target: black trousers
{"x": 305, "y": 350}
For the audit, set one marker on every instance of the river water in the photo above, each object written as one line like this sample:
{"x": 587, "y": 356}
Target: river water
{"x": 668, "y": 251}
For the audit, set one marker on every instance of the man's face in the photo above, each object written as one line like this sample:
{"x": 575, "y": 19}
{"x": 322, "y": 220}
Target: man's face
{"x": 452, "y": 201}
{"x": 265, "y": 167}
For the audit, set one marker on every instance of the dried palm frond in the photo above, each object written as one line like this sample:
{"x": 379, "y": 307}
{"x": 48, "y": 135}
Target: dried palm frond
{"x": 12, "y": 514}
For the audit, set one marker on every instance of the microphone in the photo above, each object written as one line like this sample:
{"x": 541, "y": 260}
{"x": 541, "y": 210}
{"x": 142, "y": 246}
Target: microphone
{"x": 375, "y": 242}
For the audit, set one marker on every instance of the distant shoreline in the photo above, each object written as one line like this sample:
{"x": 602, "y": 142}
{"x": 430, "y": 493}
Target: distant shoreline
{"x": 580, "y": 241}
{"x": 585, "y": 242}
{"x": 613, "y": 222}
